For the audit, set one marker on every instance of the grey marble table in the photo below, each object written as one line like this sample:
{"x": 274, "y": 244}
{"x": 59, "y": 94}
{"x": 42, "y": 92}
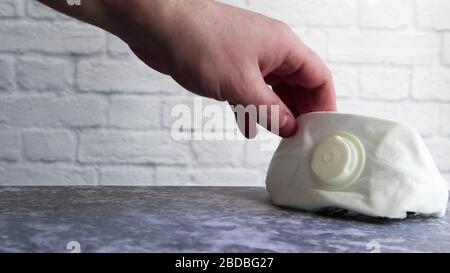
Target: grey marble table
{"x": 194, "y": 219}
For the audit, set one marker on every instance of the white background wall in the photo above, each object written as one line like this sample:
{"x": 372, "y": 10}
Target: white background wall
{"x": 77, "y": 108}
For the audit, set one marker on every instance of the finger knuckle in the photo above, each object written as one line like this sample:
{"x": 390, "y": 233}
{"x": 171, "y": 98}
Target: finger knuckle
{"x": 283, "y": 29}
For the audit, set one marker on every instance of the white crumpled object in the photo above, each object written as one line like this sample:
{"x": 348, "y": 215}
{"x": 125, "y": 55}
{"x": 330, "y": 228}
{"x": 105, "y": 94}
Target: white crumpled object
{"x": 398, "y": 174}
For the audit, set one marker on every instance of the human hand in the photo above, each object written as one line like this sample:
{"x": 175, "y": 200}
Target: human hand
{"x": 226, "y": 53}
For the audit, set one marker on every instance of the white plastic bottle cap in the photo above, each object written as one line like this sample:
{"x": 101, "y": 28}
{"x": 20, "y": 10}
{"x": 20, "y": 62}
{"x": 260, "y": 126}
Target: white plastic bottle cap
{"x": 337, "y": 161}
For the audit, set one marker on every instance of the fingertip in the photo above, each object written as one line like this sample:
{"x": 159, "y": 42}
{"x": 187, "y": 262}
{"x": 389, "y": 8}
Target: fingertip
{"x": 288, "y": 126}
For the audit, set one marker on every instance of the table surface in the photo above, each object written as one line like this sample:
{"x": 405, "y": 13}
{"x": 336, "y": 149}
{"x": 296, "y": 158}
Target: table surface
{"x": 195, "y": 219}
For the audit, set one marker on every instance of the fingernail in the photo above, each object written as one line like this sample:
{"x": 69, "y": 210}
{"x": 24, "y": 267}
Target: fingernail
{"x": 287, "y": 126}
{"x": 284, "y": 120}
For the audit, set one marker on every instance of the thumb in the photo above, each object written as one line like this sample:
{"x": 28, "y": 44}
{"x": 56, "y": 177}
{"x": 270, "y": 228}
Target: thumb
{"x": 259, "y": 103}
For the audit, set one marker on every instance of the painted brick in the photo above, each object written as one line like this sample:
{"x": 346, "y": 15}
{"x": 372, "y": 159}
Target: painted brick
{"x": 39, "y": 11}
{"x": 117, "y": 47}
{"x": 9, "y": 145}
{"x": 439, "y": 149}
{"x": 385, "y": 83}
{"x": 6, "y": 74}
{"x": 446, "y": 49}
{"x": 11, "y": 8}
{"x": 130, "y": 176}
{"x": 433, "y": 14}
{"x": 37, "y": 175}
{"x": 345, "y": 80}
{"x": 423, "y": 117}
{"x": 47, "y": 74}
{"x": 383, "y": 48}
{"x": 309, "y": 12}
{"x": 135, "y": 112}
{"x": 167, "y": 176}
{"x": 132, "y": 147}
{"x": 218, "y": 152}
{"x": 387, "y": 13}
{"x": 52, "y": 111}
{"x": 106, "y": 75}
{"x": 51, "y": 37}
{"x": 431, "y": 83}
{"x": 49, "y": 146}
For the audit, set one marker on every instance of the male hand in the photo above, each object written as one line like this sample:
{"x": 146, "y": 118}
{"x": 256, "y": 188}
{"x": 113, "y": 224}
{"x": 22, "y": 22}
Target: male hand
{"x": 222, "y": 52}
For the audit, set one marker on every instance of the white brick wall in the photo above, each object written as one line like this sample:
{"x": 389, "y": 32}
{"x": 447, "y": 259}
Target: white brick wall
{"x": 23, "y": 110}
{"x": 433, "y": 14}
{"x": 9, "y": 146}
{"x": 135, "y": 176}
{"x": 44, "y": 74}
{"x": 390, "y": 83}
{"x": 6, "y": 74}
{"x": 446, "y": 49}
{"x": 49, "y": 145}
{"x": 111, "y": 146}
{"x": 76, "y": 107}
{"x": 389, "y": 48}
{"x": 431, "y": 83}
{"x": 111, "y": 75}
{"x": 50, "y": 37}
{"x": 135, "y": 112}
{"x": 394, "y": 13}
{"x": 11, "y": 8}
